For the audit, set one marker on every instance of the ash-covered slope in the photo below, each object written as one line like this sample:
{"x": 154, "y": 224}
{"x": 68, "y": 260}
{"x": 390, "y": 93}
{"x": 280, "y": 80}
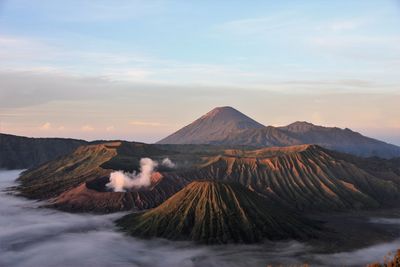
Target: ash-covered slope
{"x": 227, "y": 126}
{"x": 76, "y": 182}
{"x": 57, "y": 176}
{"x": 213, "y": 127}
{"x": 306, "y": 177}
{"x": 217, "y": 212}
{"x": 18, "y": 152}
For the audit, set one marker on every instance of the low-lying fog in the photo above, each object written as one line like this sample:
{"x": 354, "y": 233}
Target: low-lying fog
{"x": 32, "y": 236}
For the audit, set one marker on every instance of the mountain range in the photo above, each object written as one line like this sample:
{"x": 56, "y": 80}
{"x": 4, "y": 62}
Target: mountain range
{"x": 228, "y": 126}
{"x": 303, "y": 177}
{"x": 216, "y": 195}
{"x": 232, "y": 179}
{"x": 222, "y": 127}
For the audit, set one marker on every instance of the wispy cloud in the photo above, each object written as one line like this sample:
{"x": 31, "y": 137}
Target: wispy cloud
{"x": 344, "y": 25}
{"x": 49, "y": 127}
{"x": 77, "y": 11}
{"x": 46, "y": 126}
{"x": 24, "y": 49}
{"x": 146, "y": 123}
{"x": 128, "y": 74}
{"x": 110, "y": 128}
{"x": 87, "y": 128}
{"x": 356, "y": 41}
{"x": 256, "y": 26}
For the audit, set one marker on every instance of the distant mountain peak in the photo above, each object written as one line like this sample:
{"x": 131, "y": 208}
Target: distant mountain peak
{"x": 219, "y": 110}
{"x": 228, "y": 126}
{"x": 302, "y": 123}
{"x": 216, "y": 125}
{"x": 229, "y": 113}
{"x": 299, "y": 126}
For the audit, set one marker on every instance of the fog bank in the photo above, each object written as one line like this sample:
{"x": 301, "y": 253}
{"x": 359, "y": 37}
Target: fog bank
{"x": 32, "y": 236}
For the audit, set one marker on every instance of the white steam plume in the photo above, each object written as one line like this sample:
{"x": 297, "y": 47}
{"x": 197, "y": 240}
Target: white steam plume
{"x": 120, "y": 181}
{"x": 168, "y": 163}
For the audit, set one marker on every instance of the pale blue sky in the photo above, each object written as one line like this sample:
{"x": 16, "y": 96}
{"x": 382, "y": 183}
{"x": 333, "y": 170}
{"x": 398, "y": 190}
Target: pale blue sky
{"x": 141, "y": 69}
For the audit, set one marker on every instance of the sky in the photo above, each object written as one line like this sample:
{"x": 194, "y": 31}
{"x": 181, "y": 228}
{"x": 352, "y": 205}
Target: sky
{"x": 140, "y": 70}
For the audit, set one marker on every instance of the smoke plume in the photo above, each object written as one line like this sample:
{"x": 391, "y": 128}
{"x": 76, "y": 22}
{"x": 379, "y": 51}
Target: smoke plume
{"x": 121, "y": 181}
{"x": 168, "y": 163}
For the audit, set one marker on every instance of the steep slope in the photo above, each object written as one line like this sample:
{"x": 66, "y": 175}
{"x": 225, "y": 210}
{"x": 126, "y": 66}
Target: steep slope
{"x": 343, "y": 140}
{"x": 19, "y": 152}
{"x": 55, "y": 177}
{"x": 91, "y": 197}
{"x": 213, "y": 127}
{"x": 216, "y": 212}
{"x": 263, "y": 137}
{"x": 305, "y": 177}
{"x": 76, "y": 182}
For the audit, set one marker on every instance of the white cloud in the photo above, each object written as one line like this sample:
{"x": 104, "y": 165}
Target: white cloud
{"x": 25, "y": 49}
{"x": 129, "y": 74}
{"x": 252, "y": 26}
{"x": 346, "y": 24}
{"x": 355, "y": 41}
{"x": 145, "y": 123}
{"x": 87, "y": 128}
{"x": 46, "y": 126}
{"x": 94, "y": 11}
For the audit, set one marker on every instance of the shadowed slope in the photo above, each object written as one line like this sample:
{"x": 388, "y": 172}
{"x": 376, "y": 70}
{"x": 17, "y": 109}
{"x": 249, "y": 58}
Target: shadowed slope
{"x": 18, "y": 152}
{"x": 76, "y": 182}
{"x": 55, "y": 177}
{"x": 217, "y": 212}
{"x": 343, "y": 140}
{"x": 306, "y": 177}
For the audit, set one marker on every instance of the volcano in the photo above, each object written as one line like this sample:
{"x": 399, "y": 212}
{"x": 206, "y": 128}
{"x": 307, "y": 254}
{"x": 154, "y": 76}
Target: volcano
{"x": 228, "y": 126}
{"x": 217, "y": 212}
{"x": 306, "y": 177}
{"x": 213, "y": 127}
{"x": 302, "y": 177}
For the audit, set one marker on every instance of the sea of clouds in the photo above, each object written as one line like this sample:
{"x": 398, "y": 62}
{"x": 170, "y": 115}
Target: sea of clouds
{"x": 33, "y": 236}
